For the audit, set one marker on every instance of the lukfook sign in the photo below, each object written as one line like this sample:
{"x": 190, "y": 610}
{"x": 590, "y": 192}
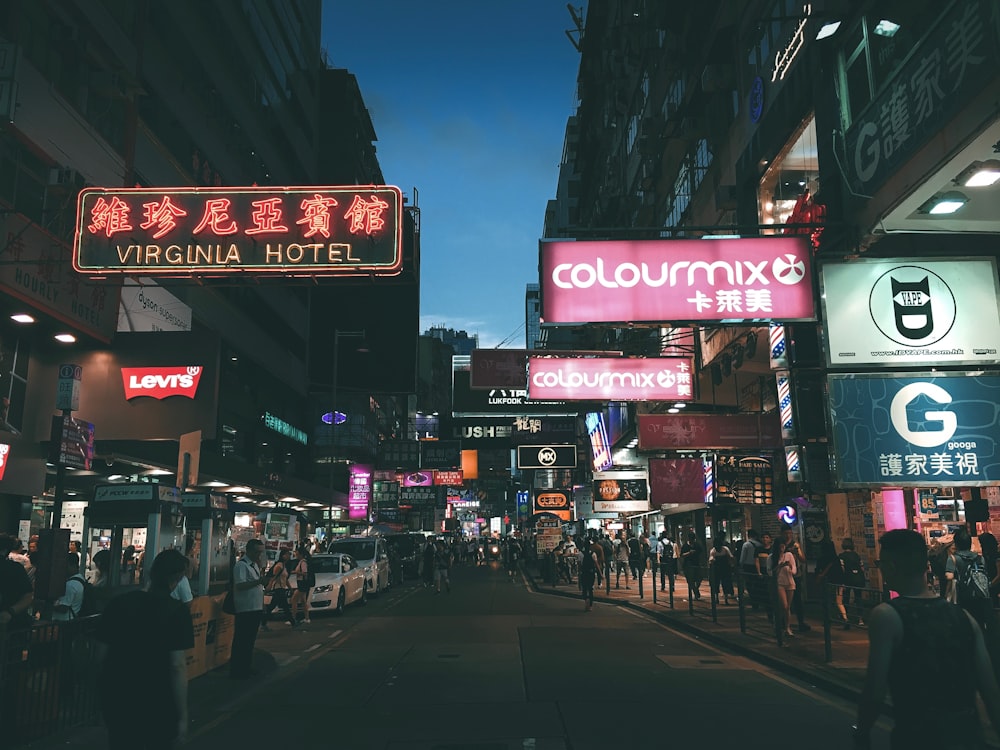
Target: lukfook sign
{"x": 610, "y": 379}
{"x": 731, "y": 280}
{"x": 161, "y": 382}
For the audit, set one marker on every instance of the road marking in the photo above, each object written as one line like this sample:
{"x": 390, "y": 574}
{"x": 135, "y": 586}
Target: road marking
{"x": 334, "y": 634}
{"x": 312, "y": 647}
{"x": 289, "y": 660}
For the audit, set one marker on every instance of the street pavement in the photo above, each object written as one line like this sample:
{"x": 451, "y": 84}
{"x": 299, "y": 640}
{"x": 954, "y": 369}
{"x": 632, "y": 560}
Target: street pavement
{"x": 499, "y": 664}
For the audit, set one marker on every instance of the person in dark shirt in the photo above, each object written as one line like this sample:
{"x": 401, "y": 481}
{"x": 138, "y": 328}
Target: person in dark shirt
{"x": 16, "y": 591}
{"x": 928, "y": 654}
{"x": 142, "y": 684}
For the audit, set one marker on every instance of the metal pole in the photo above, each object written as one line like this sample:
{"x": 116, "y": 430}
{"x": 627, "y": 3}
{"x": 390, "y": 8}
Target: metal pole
{"x": 57, "y": 502}
{"x": 333, "y": 424}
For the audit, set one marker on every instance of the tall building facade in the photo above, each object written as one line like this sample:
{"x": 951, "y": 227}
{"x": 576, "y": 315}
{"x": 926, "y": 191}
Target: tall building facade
{"x": 460, "y": 341}
{"x": 148, "y": 94}
{"x": 854, "y": 126}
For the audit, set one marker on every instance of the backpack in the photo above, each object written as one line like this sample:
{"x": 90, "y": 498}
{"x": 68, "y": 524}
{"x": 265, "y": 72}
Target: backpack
{"x": 89, "y": 606}
{"x": 972, "y": 583}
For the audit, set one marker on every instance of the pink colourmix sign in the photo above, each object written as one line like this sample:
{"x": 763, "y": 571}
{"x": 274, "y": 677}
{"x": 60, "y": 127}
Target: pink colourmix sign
{"x": 759, "y": 278}
{"x": 609, "y": 379}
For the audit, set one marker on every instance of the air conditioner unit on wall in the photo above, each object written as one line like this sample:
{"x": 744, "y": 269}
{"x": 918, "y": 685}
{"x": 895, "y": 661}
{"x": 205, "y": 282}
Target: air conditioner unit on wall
{"x": 64, "y": 177}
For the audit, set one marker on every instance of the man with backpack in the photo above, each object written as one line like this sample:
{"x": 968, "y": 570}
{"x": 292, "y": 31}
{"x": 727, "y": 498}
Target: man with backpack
{"x": 69, "y": 606}
{"x": 667, "y": 557}
{"x": 972, "y": 584}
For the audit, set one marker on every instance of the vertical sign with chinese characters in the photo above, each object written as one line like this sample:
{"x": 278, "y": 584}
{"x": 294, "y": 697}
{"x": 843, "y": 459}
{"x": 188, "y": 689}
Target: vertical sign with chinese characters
{"x": 68, "y": 389}
{"x": 306, "y": 231}
{"x": 359, "y": 492}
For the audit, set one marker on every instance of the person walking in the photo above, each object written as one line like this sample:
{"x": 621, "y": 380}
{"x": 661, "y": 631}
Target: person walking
{"x": 635, "y": 561}
{"x": 427, "y": 563}
{"x": 667, "y": 554}
{"x": 783, "y": 569}
{"x": 248, "y": 601}
{"x": 928, "y": 654}
{"x": 621, "y": 563}
{"x": 588, "y": 575}
{"x": 830, "y": 577}
{"x": 720, "y": 561}
{"x": 693, "y": 555}
{"x": 16, "y": 591}
{"x": 854, "y": 580}
{"x": 146, "y": 629}
{"x": 750, "y": 569}
{"x": 442, "y": 565}
{"x": 305, "y": 579}
{"x": 280, "y": 589}
{"x": 793, "y": 547}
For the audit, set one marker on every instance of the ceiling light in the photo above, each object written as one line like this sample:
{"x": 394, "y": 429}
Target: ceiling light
{"x": 679, "y": 405}
{"x": 673, "y": 410}
{"x": 116, "y": 477}
{"x": 980, "y": 174}
{"x": 238, "y": 489}
{"x": 156, "y": 473}
{"x": 66, "y": 338}
{"x": 885, "y": 28}
{"x": 945, "y": 203}
{"x": 214, "y": 483}
{"x": 22, "y": 318}
{"x": 315, "y": 505}
{"x": 828, "y": 30}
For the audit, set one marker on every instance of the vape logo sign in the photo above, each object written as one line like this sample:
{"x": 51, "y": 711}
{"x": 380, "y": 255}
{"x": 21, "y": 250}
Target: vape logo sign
{"x": 160, "y": 382}
{"x": 912, "y": 306}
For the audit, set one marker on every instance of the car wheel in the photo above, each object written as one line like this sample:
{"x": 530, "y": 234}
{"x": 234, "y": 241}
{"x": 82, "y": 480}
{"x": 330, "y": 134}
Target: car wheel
{"x": 341, "y": 601}
{"x": 364, "y": 595}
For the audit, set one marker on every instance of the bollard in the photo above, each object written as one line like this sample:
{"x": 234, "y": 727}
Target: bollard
{"x": 642, "y": 575}
{"x": 827, "y": 638}
{"x": 713, "y": 582}
{"x": 740, "y": 601}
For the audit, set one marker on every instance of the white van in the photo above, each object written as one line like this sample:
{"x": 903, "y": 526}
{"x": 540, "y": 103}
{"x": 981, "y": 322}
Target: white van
{"x": 370, "y": 554}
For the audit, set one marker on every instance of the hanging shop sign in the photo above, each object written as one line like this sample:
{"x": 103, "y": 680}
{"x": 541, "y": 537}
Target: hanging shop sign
{"x": 610, "y": 378}
{"x": 912, "y": 311}
{"x": 4, "y": 458}
{"x": 449, "y": 477}
{"x": 546, "y": 456}
{"x": 939, "y": 77}
{"x": 916, "y": 430}
{"x": 418, "y": 479}
{"x": 399, "y": 454}
{"x": 708, "y": 431}
{"x": 551, "y": 501}
{"x": 147, "y": 306}
{"x": 498, "y": 368}
{"x": 71, "y": 442}
{"x": 359, "y": 491}
{"x": 677, "y": 480}
{"x": 542, "y": 430}
{"x": 744, "y": 479}
{"x": 721, "y": 280}
{"x": 294, "y": 231}
{"x": 440, "y": 454}
{"x": 621, "y": 491}
{"x": 161, "y": 382}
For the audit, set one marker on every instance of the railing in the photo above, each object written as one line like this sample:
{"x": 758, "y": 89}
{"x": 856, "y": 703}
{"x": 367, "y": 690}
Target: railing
{"x": 48, "y": 676}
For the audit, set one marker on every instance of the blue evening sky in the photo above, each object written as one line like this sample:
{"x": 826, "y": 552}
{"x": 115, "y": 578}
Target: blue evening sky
{"x": 469, "y": 100}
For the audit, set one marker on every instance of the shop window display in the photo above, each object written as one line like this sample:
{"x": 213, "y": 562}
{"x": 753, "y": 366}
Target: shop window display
{"x": 790, "y": 184}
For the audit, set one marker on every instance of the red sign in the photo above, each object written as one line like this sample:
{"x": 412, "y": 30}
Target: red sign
{"x": 708, "y": 431}
{"x": 621, "y": 281}
{"x": 609, "y": 379}
{"x": 160, "y": 382}
{"x": 498, "y": 368}
{"x": 676, "y": 480}
{"x": 448, "y": 477}
{"x": 4, "y": 455}
{"x": 297, "y": 231}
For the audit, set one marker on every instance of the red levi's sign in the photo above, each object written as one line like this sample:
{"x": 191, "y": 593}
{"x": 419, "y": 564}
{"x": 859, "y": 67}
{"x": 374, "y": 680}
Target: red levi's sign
{"x": 160, "y": 382}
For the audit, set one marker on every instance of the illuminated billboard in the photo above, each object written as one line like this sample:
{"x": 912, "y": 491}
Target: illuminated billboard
{"x": 293, "y": 231}
{"x": 632, "y": 281}
{"x": 610, "y": 378}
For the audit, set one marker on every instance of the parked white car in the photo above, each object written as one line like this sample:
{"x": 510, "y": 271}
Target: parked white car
{"x": 340, "y": 581}
{"x": 370, "y": 554}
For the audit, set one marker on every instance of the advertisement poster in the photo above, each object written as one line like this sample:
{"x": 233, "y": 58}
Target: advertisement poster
{"x": 916, "y": 311}
{"x": 621, "y": 491}
{"x": 359, "y": 491}
{"x": 916, "y": 430}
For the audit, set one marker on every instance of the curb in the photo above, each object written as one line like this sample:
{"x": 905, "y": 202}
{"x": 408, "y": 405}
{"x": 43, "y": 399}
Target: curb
{"x": 798, "y": 672}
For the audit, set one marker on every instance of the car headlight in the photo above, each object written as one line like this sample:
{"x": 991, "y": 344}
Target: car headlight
{"x": 494, "y": 550}
{"x": 322, "y": 589}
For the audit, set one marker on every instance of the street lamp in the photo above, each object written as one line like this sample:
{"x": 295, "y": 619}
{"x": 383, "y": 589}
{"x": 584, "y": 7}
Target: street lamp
{"x": 337, "y": 335}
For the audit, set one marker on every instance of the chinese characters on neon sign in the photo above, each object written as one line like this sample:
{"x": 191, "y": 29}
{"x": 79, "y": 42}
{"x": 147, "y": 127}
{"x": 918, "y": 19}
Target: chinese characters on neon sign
{"x": 196, "y": 231}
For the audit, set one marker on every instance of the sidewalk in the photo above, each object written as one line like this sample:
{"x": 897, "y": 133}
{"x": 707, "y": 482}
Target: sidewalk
{"x": 802, "y": 656}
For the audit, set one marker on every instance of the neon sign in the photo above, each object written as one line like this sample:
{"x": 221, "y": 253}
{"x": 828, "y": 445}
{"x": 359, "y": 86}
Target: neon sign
{"x": 784, "y": 57}
{"x": 284, "y": 428}
{"x": 297, "y": 231}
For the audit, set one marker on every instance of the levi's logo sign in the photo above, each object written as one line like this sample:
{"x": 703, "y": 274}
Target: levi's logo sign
{"x": 160, "y": 382}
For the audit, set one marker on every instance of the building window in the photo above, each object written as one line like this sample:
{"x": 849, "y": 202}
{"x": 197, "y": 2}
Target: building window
{"x": 793, "y": 172}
